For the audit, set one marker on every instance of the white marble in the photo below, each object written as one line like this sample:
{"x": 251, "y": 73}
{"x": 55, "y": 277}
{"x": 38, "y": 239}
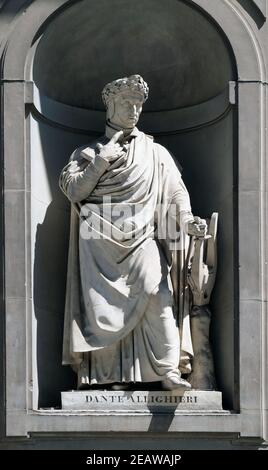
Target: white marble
{"x": 249, "y": 46}
{"x": 203, "y": 264}
{"x": 141, "y": 401}
{"x": 115, "y": 259}
{"x": 201, "y": 278}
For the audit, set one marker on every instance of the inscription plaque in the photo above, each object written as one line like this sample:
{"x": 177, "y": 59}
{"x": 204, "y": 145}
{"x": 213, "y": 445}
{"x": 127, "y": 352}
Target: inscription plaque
{"x": 162, "y": 401}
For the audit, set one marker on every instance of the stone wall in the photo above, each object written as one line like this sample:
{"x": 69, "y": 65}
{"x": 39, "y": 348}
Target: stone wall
{"x": 226, "y": 134}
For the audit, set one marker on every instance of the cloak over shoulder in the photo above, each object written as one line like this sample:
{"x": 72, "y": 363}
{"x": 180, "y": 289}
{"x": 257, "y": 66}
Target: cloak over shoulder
{"x": 116, "y": 258}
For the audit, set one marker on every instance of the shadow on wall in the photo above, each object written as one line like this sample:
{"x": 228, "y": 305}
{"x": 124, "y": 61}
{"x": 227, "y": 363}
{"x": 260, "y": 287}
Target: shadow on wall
{"x": 49, "y": 279}
{"x": 51, "y": 234}
{"x": 207, "y": 158}
{"x": 74, "y": 41}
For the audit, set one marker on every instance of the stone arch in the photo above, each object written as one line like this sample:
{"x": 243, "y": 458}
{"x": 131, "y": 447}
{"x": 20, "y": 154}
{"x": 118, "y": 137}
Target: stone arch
{"x": 184, "y": 124}
{"x": 17, "y": 92}
{"x": 227, "y": 15}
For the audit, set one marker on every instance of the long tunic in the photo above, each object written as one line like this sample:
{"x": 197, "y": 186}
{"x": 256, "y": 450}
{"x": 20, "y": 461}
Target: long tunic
{"x": 117, "y": 258}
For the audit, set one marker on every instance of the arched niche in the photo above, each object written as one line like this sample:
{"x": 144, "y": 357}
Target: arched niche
{"x": 174, "y": 47}
{"x": 188, "y": 63}
{"x": 24, "y": 147}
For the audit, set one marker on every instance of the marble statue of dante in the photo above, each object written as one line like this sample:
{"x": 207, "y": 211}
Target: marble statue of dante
{"x": 121, "y": 324}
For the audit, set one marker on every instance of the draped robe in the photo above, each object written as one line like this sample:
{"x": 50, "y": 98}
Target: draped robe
{"x": 119, "y": 294}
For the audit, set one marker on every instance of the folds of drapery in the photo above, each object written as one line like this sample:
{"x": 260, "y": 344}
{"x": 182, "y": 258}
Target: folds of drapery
{"x": 149, "y": 177}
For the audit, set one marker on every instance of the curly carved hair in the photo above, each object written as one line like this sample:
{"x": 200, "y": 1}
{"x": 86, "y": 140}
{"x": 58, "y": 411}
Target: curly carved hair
{"x": 133, "y": 83}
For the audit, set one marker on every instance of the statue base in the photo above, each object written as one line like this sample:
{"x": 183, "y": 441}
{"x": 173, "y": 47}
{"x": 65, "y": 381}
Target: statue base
{"x": 141, "y": 401}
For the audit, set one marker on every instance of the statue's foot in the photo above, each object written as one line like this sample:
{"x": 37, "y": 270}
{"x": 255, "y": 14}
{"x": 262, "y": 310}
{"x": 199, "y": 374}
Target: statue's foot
{"x": 173, "y": 381}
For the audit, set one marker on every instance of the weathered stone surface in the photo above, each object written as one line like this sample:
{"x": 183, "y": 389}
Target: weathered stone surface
{"x": 237, "y": 329}
{"x": 119, "y": 168}
{"x": 139, "y": 401}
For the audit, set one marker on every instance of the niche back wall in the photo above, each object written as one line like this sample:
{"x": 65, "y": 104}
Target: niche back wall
{"x": 188, "y": 65}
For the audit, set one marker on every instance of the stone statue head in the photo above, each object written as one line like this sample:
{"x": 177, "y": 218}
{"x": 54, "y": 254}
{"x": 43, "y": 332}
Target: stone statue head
{"x": 124, "y": 99}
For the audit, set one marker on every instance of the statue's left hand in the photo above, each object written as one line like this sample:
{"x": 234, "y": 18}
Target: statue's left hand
{"x": 197, "y": 227}
{"x": 203, "y": 264}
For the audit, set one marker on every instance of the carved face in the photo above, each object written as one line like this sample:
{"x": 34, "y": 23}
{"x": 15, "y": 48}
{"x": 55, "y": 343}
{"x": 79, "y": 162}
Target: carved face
{"x": 127, "y": 107}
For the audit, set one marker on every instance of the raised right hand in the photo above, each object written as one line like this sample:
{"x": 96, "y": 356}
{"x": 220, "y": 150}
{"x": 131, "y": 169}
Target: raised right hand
{"x": 112, "y": 149}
